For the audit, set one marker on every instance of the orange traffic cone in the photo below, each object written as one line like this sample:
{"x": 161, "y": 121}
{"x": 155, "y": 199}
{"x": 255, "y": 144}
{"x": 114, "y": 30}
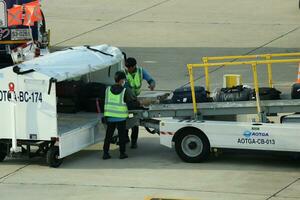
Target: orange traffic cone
{"x": 298, "y": 77}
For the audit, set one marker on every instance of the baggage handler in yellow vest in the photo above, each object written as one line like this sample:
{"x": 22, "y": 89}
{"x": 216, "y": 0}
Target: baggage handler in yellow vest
{"x": 135, "y": 76}
{"x": 117, "y": 100}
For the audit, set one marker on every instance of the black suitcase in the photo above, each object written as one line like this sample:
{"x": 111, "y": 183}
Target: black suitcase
{"x": 267, "y": 93}
{"x": 94, "y": 89}
{"x": 296, "y": 91}
{"x": 69, "y": 88}
{"x": 68, "y": 105}
{"x": 236, "y": 93}
{"x": 93, "y": 105}
{"x": 184, "y": 95}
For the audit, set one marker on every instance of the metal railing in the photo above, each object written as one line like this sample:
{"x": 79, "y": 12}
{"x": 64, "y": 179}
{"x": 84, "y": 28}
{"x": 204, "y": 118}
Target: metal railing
{"x": 253, "y": 64}
{"x": 206, "y": 60}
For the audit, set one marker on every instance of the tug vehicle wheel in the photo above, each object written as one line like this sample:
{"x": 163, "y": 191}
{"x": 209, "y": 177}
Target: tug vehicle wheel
{"x": 192, "y": 145}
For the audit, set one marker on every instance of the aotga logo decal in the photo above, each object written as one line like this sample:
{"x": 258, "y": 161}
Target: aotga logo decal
{"x": 248, "y": 134}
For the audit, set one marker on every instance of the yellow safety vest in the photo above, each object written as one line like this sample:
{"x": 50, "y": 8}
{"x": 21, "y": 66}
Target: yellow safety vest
{"x": 135, "y": 80}
{"x": 114, "y": 104}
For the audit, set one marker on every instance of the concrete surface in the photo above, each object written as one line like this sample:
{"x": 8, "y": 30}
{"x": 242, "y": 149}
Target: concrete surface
{"x": 165, "y": 35}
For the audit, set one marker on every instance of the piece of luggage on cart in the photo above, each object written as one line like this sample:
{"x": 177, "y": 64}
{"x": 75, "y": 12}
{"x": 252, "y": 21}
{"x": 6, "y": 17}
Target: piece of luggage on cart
{"x": 69, "y": 96}
{"x": 236, "y": 93}
{"x": 93, "y": 97}
{"x": 296, "y": 91}
{"x": 184, "y": 95}
{"x": 267, "y": 93}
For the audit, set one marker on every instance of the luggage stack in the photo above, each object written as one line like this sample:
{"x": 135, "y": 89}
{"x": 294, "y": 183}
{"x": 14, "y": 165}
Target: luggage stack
{"x": 228, "y": 94}
{"x": 68, "y": 96}
{"x": 75, "y": 96}
{"x": 93, "y": 95}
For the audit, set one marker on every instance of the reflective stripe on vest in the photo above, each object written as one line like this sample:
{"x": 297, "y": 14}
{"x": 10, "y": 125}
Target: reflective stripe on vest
{"x": 135, "y": 80}
{"x": 115, "y": 105}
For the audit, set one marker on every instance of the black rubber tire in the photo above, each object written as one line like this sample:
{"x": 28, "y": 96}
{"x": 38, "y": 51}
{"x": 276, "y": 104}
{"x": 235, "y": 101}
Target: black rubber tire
{"x": 52, "y": 157}
{"x": 181, "y": 143}
{"x": 3, "y": 151}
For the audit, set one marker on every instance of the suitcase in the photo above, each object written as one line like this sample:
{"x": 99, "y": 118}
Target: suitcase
{"x": 237, "y": 93}
{"x": 90, "y": 105}
{"x": 94, "y": 90}
{"x": 69, "y": 88}
{"x": 184, "y": 95}
{"x": 68, "y": 105}
{"x": 296, "y": 91}
{"x": 267, "y": 93}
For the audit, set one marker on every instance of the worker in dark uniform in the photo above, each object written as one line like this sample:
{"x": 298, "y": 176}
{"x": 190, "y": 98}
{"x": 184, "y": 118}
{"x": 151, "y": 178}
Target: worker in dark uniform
{"x": 117, "y": 101}
{"x": 135, "y": 76}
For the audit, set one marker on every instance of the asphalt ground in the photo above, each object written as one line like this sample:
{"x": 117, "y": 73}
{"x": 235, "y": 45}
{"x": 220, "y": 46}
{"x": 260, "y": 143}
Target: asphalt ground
{"x": 164, "y": 36}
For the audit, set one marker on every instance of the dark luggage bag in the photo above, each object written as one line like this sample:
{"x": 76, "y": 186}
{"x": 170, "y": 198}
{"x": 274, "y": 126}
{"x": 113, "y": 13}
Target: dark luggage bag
{"x": 91, "y": 93}
{"x": 184, "y": 95}
{"x": 68, "y": 96}
{"x": 267, "y": 93}
{"x": 237, "y": 93}
{"x": 69, "y": 88}
{"x": 68, "y": 104}
{"x": 94, "y": 89}
{"x": 296, "y": 91}
{"x": 93, "y": 105}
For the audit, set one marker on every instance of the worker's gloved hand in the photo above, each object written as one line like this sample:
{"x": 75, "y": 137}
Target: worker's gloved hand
{"x": 151, "y": 85}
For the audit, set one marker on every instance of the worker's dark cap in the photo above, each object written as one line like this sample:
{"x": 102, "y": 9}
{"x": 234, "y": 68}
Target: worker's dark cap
{"x": 119, "y": 75}
{"x": 130, "y": 62}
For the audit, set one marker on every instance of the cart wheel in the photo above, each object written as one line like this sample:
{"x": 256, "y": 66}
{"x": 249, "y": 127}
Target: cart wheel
{"x": 3, "y": 152}
{"x": 52, "y": 157}
{"x": 192, "y": 146}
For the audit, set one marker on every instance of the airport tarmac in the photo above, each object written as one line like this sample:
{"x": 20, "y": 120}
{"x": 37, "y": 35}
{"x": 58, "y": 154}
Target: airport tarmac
{"x": 165, "y": 35}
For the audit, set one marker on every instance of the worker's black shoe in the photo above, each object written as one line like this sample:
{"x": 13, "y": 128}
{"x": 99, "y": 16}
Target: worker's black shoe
{"x": 123, "y": 156}
{"x": 133, "y": 146}
{"x": 106, "y": 156}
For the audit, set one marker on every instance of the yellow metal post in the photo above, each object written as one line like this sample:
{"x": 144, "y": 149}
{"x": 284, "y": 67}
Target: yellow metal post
{"x": 256, "y": 86}
{"x": 206, "y": 71}
{"x": 192, "y": 84}
{"x": 270, "y": 73}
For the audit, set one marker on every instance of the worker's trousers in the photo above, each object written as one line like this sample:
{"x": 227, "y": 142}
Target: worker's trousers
{"x": 134, "y": 134}
{"x": 111, "y": 126}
